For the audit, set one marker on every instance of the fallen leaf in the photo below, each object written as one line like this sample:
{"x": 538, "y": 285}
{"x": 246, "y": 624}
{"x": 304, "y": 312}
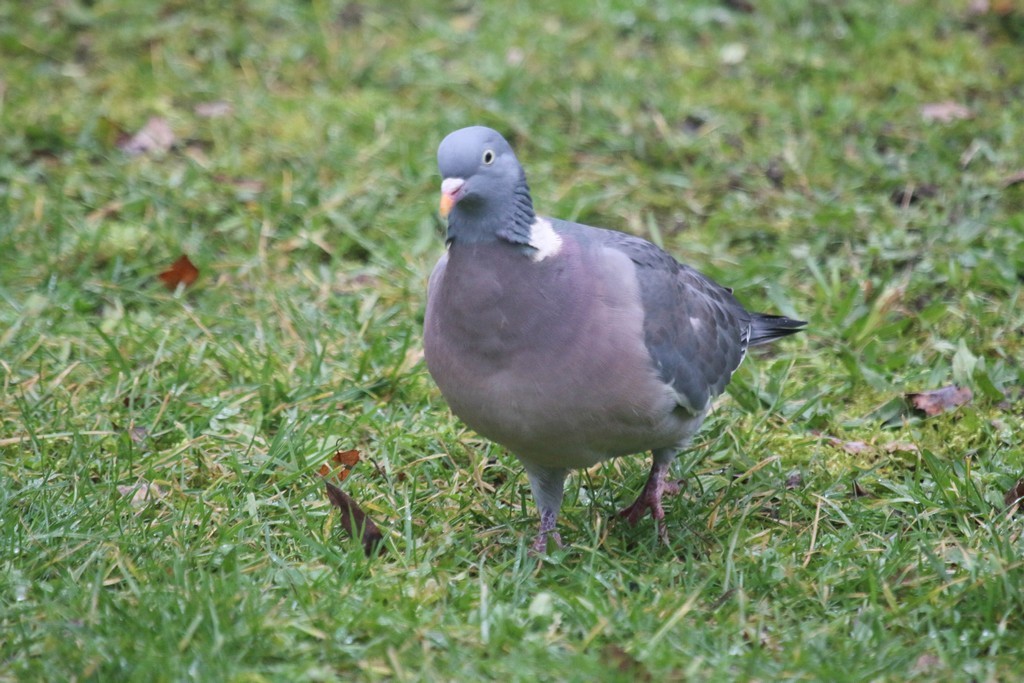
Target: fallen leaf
{"x": 945, "y": 112}
{"x": 155, "y": 136}
{"x": 925, "y": 664}
{"x": 977, "y": 7}
{"x": 181, "y": 272}
{"x": 138, "y": 434}
{"x": 141, "y": 492}
{"x": 343, "y": 461}
{"x": 355, "y": 521}
{"x": 999, "y": 8}
{"x": 1005, "y": 7}
{"x": 938, "y": 401}
{"x": 1015, "y": 495}
{"x": 347, "y": 458}
{"x": 213, "y": 110}
{"x": 851, "y": 447}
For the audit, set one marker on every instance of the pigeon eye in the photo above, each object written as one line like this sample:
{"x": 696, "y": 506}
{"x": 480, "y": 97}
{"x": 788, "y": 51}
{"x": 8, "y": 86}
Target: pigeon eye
{"x": 488, "y": 157}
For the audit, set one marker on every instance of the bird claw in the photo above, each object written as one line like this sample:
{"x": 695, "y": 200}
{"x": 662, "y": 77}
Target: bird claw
{"x": 635, "y": 512}
{"x": 650, "y": 499}
{"x": 540, "y": 543}
{"x": 548, "y": 530}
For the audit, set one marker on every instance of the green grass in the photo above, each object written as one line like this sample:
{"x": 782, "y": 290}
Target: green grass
{"x": 765, "y": 148}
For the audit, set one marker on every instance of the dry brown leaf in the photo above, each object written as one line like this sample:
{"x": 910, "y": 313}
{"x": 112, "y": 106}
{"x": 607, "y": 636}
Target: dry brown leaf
{"x": 355, "y": 521}
{"x": 938, "y": 401}
{"x": 138, "y": 434}
{"x": 851, "y": 447}
{"x": 347, "y": 458}
{"x": 1015, "y": 495}
{"x": 155, "y": 136}
{"x": 945, "y": 112}
{"x": 213, "y": 110}
{"x": 926, "y": 664}
{"x": 977, "y": 7}
{"x": 999, "y": 8}
{"x": 855, "y": 447}
{"x": 181, "y": 272}
{"x": 343, "y": 461}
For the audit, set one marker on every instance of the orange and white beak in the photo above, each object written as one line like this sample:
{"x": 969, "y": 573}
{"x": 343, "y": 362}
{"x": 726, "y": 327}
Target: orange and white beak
{"x": 451, "y": 192}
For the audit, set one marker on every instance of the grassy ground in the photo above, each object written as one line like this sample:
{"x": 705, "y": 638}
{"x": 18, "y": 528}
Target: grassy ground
{"x": 160, "y": 513}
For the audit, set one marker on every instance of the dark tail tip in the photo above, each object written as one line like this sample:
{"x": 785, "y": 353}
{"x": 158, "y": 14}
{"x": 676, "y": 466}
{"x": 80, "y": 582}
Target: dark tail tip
{"x": 766, "y": 328}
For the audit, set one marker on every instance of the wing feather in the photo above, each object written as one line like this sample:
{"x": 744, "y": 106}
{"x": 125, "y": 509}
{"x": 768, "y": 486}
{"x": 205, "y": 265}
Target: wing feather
{"x": 695, "y": 330}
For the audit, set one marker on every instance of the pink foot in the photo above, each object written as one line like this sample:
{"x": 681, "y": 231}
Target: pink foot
{"x": 540, "y": 543}
{"x": 650, "y": 499}
{"x": 548, "y": 520}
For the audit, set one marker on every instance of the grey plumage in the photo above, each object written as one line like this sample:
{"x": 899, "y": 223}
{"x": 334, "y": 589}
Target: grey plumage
{"x": 570, "y": 344}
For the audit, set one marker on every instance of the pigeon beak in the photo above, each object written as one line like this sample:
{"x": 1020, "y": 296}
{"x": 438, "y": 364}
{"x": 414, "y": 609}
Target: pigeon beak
{"x": 450, "y": 194}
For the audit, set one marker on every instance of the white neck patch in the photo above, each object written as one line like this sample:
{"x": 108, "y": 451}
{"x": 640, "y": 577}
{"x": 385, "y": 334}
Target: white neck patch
{"x": 544, "y": 239}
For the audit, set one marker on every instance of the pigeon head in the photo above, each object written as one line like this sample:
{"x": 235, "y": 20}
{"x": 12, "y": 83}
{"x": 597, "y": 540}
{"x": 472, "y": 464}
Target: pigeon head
{"x": 484, "y": 194}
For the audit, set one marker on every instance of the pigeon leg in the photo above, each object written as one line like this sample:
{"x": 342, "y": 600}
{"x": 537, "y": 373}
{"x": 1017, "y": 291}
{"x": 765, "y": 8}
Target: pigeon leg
{"x": 548, "y": 521}
{"x": 547, "y": 485}
{"x": 650, "y": 497}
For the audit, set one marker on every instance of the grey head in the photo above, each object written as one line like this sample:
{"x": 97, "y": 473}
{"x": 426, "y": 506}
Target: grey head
{"x": 484, "y": 193}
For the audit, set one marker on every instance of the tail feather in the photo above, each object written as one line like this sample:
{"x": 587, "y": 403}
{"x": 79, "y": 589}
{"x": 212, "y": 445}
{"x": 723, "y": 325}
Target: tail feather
{"x": 766, "y": 328}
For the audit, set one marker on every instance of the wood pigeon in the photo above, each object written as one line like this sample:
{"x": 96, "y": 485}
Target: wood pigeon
{"x": 569, "y": 344}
